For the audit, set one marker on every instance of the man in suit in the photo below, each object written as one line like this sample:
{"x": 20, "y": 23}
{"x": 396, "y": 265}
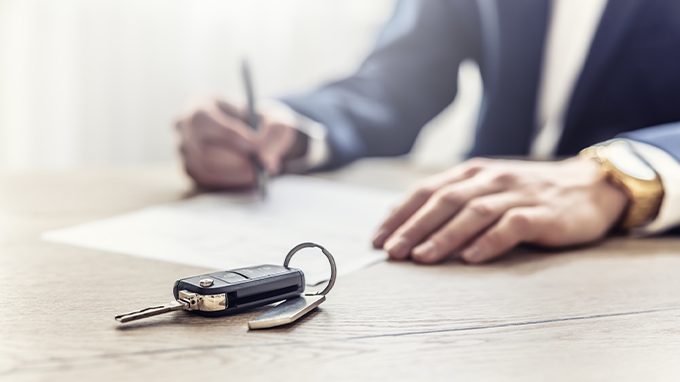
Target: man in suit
{"x": 559, "y": 77}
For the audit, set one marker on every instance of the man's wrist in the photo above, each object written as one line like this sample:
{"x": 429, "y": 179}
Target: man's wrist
{"x": 300, "y": 147}
{"x": 627, "y": 171}
{"x": 310, "y": 149}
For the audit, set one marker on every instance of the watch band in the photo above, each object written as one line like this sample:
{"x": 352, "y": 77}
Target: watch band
{"x": 645, "y": 193}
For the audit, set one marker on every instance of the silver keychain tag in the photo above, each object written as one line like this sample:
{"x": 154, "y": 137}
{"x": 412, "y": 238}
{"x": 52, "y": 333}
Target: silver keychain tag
{"x": 291, "y": 310}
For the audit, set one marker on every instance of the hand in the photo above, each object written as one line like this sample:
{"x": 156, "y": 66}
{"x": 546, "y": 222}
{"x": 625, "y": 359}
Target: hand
{"x": 217, "y": 145}
{"x": 483, "y": 208}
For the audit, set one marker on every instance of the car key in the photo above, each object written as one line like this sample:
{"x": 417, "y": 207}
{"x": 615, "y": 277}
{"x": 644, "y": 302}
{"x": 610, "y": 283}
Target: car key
{"x": 229, "y": 292}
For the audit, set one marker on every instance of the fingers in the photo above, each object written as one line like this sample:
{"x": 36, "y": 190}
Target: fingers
{"x": 421, "y": 194}
{"x": 475, "y": 217}
{"x": 215, "y": 128}
{"x": 217, "y": 167}
{"x": 518, "y": 225}
{"x": 440, "y": 208}
{"x": 501, "y": 205}
{"x": 216, "y": 146}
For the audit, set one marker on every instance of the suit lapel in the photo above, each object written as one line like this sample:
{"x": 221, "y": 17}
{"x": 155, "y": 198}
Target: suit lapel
{"x": 617, "y": 20}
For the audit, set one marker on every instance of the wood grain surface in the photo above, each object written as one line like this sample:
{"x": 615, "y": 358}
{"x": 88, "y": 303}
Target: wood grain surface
{"x": 609, "y": 311}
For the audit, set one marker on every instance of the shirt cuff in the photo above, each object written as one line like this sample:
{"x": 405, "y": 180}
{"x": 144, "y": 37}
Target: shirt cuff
{"x": 668, "y": 170}
{"x": 318, "y": 149}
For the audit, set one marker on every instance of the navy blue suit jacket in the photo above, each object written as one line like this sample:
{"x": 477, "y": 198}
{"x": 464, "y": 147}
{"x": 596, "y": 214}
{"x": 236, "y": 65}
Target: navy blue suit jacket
{"x": 629, "y": 87}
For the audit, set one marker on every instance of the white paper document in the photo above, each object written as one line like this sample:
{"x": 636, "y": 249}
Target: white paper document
{"x": 224, "y": 231}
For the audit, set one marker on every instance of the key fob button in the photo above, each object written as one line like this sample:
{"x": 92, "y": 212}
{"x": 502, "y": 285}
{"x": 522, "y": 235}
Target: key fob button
{"x": 248, "y": 272}
{"x": 267, "y": 270}
{"x": 230, "y": 277}
{"x": 274, "y": 269}
{"x": 261, "y": 271}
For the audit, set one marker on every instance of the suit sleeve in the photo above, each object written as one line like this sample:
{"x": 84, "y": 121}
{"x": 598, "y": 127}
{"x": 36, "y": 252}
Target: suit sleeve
{"x": 666, "y": 137}
{"x": 660, "y": 147}
{"x": 407, "y": 80}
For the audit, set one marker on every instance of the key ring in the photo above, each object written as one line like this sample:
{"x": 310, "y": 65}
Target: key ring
{"x": 331, "y": 260}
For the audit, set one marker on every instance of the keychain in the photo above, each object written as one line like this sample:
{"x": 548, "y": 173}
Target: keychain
{"x": 233, "y": 291}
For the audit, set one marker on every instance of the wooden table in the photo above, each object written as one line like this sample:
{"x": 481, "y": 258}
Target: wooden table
{"x": 605, "y": 312}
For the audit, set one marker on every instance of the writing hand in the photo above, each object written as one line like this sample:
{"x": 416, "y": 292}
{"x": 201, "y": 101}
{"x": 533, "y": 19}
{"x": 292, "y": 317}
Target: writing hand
{"x": 483, "y": 208}
{"x": 216, "y": 143}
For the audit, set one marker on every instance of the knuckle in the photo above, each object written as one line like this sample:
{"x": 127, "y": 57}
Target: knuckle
{"x": 504, "y": 178}
{"x": 481, "y": 208}
{"x": 199, "y": 118}
{"x": 202, "y": 112}
{"x": 471, "y": 171}
{"x": 519, "y": 221}
{"x": 450, "y": 197}
{"x": 475, "y": 165}
{"x": 422, "y": 192}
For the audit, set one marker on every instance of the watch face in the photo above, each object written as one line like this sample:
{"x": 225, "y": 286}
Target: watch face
{"x": 622, "y": 156}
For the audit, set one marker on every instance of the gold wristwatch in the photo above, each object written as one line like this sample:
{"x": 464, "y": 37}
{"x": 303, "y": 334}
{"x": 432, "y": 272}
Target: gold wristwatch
{"x": 627, "y": 171}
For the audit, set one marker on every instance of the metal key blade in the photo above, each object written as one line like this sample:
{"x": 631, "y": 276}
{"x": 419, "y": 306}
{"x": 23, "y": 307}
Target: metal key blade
{"x": 151, "y": 311}
{"x": 286, "y": 312}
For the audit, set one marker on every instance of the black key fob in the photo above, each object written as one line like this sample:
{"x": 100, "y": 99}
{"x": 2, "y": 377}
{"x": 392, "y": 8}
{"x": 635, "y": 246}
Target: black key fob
{"x": 233, "y": 291}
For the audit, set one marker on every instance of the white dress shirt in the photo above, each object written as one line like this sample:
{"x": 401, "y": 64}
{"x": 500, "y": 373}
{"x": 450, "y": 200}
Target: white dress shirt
{"x": 570, "y": 32}
{"x": 572, "y": 26}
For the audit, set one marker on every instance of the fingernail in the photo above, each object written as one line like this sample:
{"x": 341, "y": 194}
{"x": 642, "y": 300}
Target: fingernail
{"x": 471, "y": 254}
{"x": 397, "y": 247}
{"x": 425, "y": 252}
{"x": 379, "y": 238}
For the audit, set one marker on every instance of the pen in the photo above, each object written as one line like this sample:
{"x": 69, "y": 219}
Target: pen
{"x": 253, "y": 121}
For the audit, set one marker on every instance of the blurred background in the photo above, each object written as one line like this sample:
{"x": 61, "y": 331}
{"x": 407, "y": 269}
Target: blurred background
{"x": 99, "y": 82}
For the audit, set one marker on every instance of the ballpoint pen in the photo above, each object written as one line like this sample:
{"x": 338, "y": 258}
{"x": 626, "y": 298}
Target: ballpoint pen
{"x": 253, "y": 121}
